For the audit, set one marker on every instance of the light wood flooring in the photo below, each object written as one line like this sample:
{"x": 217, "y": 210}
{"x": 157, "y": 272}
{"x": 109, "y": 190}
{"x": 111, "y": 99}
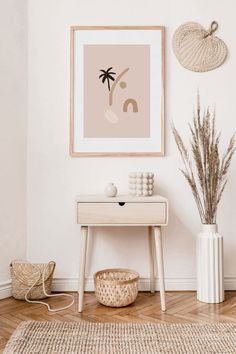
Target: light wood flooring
{"x": 182, "y": 307}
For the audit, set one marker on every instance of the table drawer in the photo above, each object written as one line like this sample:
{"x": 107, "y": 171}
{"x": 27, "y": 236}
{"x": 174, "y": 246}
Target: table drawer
{"x": 122, "y": 213}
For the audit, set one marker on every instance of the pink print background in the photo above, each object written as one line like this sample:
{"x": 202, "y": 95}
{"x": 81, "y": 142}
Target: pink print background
{"x": 102, "y": 120}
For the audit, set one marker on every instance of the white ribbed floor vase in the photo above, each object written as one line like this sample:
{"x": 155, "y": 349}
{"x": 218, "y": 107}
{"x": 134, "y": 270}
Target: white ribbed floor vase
{"x": 210, "y": 275}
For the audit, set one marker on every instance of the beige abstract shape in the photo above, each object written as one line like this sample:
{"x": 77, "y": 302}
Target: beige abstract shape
{"x": 132, "y": 102}
{"x": 114, "y": 85}
{"x": 111, "y": 116}
{"x": 123, "y": 84}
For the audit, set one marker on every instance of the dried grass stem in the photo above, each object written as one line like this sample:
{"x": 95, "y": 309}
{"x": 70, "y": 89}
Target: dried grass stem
{"x": 207, "y": 171}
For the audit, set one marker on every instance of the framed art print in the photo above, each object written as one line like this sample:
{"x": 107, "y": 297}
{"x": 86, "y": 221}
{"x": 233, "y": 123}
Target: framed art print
{"x": 117, "y": 91}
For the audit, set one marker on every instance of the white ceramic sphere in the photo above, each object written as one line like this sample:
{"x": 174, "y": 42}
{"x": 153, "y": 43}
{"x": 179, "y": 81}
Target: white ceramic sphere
{"x": 110, "y": 190}
{"x": 139, "y": 174}
{"x": 132, "y": 174}
{"x": 150, "y": 174}
{"x": 150, "y": 192}
{"x": 145, "y": 192}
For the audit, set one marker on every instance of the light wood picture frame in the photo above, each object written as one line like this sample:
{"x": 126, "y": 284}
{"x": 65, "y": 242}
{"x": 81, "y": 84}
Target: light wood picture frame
{"x": 117, "y": 91}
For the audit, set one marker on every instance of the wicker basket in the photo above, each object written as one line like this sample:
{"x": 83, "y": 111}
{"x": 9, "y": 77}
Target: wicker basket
{"x": 24, "y": 275}
{"x": 116, "y": 287}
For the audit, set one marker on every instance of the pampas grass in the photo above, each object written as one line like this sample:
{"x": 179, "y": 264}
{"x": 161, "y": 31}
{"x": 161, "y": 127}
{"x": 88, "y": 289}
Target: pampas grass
{"x": 206, "y": 171}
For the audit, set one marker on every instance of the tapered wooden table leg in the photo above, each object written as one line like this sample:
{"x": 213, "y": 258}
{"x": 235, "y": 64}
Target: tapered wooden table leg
{"x": 83, "y": 249}
{"x": 151, "y": 258}
{"x": 160, "y": 266}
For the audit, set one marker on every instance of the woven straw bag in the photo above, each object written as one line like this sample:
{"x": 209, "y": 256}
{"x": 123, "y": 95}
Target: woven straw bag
{"x": 197, "y": 49}
{"x": 33, "y": 282}
{"x": 116, "y": 287}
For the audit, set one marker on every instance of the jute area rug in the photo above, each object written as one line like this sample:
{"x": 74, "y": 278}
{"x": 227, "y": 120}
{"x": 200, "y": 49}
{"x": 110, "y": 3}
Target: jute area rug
{"x": 109, "y": 338}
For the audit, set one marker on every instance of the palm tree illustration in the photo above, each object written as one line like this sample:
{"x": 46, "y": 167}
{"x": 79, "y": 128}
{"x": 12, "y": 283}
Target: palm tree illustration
{"x": 107, "y": 75}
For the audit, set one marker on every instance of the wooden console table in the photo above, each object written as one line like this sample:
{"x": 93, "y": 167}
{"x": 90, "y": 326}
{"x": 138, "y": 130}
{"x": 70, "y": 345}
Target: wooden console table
{"x": 95, "y": 210}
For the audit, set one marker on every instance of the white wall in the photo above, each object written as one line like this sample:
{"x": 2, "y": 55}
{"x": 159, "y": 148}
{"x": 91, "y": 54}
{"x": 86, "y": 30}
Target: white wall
{"x": 54, "y": 178}
{"x": 13, "y": 119}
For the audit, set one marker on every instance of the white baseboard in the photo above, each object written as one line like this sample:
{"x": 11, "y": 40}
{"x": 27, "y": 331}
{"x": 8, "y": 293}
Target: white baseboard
{"x": 171, "y": 284}
{"x": 230, "y": 283}
{"x": 175, "y": 284}
{"x": 5, "y": 289}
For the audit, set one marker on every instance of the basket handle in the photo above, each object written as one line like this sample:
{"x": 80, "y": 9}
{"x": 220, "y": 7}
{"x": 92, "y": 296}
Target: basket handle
{"x": 46, "y": 294}
{"x": 213, "y": 27}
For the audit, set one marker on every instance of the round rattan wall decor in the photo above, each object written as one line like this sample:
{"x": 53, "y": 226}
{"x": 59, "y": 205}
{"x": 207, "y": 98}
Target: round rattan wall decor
{"x": 198, "y": 49}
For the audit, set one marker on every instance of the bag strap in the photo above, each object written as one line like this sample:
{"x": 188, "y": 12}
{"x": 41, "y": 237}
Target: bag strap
{"x": 46, "y": 294}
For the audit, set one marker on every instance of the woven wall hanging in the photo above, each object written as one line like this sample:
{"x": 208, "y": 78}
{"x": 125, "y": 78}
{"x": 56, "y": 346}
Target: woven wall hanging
{"x": 197, "y": 49}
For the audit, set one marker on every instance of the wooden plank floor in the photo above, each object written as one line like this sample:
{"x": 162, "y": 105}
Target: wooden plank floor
{"x": 182, "y": 307}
